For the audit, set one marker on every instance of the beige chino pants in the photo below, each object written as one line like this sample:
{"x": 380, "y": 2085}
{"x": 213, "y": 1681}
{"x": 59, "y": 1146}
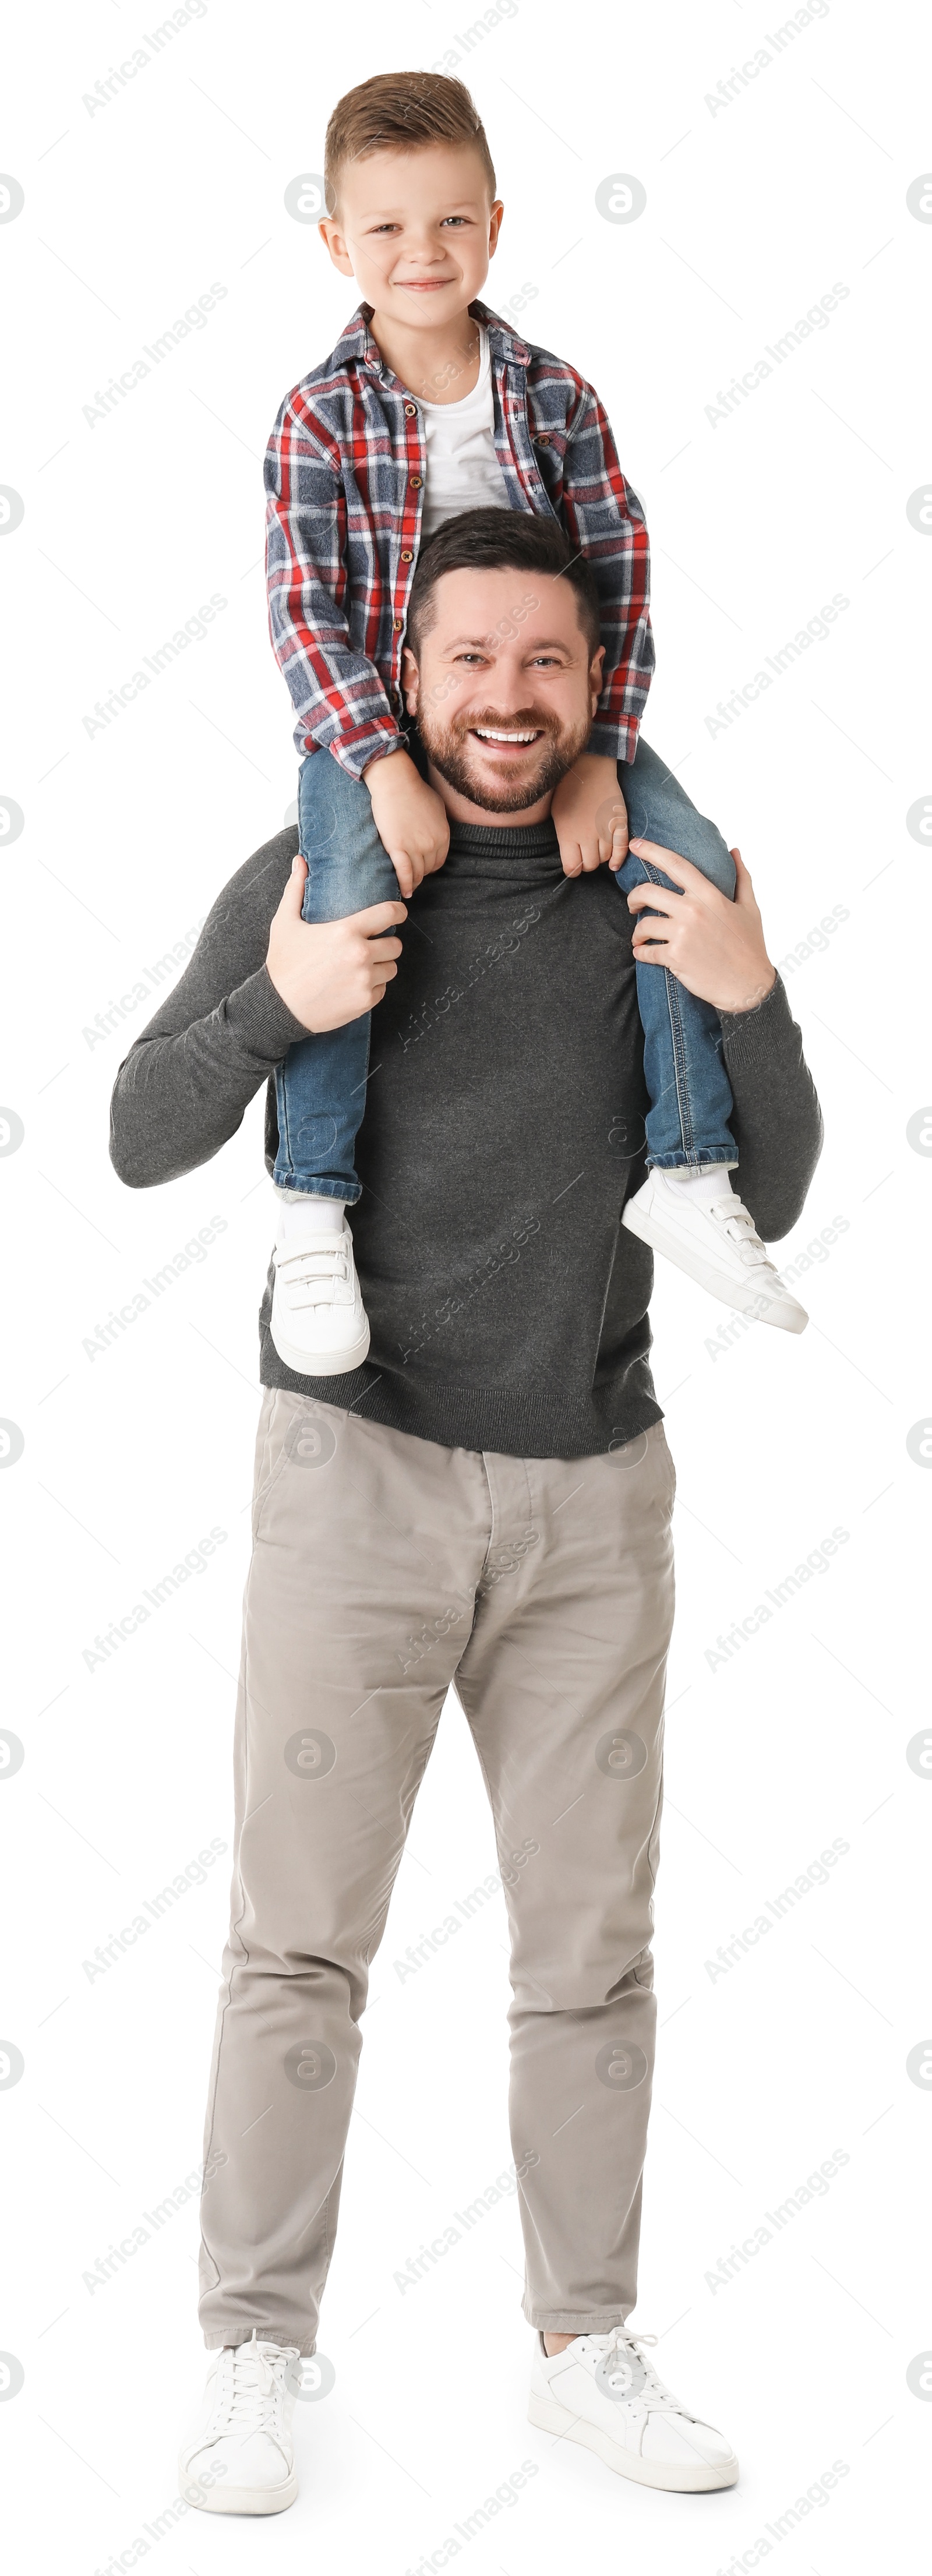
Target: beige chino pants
{"x": 384, "y": 1569}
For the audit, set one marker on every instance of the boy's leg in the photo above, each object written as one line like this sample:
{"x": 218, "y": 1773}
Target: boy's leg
{"x": 321, "y": 1086}
{"x": 686, "y": 1208}
{"x": 368, "y": 1549}
{"x": 690, "y": 1094}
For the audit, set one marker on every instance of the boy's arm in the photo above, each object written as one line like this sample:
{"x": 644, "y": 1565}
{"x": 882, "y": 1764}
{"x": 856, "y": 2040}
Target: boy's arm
{"x": 605, "y": 519}
{"x": 335, "y": 690}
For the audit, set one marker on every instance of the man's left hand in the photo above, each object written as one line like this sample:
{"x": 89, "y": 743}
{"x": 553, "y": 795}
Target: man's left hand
{"x": 713, "y": 946}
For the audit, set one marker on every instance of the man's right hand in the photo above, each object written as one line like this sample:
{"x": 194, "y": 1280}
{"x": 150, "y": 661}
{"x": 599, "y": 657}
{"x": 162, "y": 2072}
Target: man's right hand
{"x": 329, "y": 972}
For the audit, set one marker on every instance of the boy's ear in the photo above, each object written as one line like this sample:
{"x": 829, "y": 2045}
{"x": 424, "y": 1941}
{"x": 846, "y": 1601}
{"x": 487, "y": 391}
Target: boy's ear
{"x": 409, "y": 679}
{"x": 330, "y": 233}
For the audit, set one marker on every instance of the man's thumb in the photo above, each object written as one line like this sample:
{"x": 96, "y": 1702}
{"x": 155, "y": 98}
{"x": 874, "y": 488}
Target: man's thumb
{"x": 293, "y": 895}
{"x": 742, "y": 875}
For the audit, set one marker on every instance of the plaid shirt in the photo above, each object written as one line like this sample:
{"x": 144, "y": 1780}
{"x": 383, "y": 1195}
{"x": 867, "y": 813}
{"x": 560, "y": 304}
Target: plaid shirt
{"x": 344, "y": 473}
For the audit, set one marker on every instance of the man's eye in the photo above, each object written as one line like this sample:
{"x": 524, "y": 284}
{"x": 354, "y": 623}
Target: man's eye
{"x": 469, "y": 657}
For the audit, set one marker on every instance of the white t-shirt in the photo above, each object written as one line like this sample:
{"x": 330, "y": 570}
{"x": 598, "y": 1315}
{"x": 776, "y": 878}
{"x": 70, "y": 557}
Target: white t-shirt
{"x": 463, "y": 471}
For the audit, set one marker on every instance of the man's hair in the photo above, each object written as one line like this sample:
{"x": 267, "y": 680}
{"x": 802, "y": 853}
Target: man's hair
{"x": 401, "y": 111}
{"x": 494, "y": 541}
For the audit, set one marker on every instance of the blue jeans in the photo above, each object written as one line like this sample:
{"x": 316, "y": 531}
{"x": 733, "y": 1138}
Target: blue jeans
{"x": 690, "y": 1094}
{"x": 321, "y": 1086}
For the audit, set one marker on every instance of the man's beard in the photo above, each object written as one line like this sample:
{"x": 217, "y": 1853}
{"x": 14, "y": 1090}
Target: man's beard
{"x": 450, "y": 749}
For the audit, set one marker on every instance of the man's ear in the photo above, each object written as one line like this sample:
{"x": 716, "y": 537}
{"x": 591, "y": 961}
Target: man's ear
{"x": 409, "y": 679}
{"x": 331, "y": 233}
{"x": 595, "y": 676}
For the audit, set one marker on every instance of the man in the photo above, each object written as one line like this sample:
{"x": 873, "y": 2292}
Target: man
{"x": 488, "y": 1504}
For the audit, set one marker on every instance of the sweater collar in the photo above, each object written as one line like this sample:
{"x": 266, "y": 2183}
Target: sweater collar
{"x": 501, "y": 840}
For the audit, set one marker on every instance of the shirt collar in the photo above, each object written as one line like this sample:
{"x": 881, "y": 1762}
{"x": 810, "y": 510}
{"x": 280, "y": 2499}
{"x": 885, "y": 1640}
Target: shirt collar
{"x": 356, "y": 346}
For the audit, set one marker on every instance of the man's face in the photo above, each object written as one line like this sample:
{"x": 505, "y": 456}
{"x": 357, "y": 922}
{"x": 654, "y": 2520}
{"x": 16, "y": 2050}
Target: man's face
{"x": 417, "y": 231}
{"x": 505, "y": 689}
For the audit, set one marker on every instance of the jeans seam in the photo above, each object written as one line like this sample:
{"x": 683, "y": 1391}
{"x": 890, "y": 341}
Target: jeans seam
{"x": 679, "y": 1063}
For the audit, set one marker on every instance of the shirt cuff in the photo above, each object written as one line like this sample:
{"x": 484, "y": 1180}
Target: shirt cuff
{"x": 355, "y": 750}
{"x": 758, "y": 1036}
{"x": 614, "y": 740}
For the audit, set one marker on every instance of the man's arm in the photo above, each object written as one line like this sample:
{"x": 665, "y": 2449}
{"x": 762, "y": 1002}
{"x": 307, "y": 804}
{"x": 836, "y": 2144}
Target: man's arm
{"x": 718, "y": 950}
{"x": 776, "y": 1120}
{"x": 260, "y": 979}
{"x": 183, "y": 1088}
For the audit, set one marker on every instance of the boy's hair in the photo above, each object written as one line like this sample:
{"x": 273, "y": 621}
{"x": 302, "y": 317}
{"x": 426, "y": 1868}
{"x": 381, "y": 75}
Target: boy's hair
{"x": 496, "y": 540}
{"x": 401, "y": 110}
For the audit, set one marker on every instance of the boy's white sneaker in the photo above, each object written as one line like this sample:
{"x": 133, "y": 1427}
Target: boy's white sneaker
{"x": 710, "y": 1234}
{"x": 239, "y": 2456}
{"x": 319, "y": 1324}
{"x": 603, "y": 2392}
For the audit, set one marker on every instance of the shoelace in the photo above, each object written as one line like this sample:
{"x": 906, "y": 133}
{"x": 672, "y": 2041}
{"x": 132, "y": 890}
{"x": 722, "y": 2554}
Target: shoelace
{"x": 255, "y": 2386}
{"x": 314, "y": 1266}
{"x": 738, "y": 1224}
{"x": 624, "y": 2344}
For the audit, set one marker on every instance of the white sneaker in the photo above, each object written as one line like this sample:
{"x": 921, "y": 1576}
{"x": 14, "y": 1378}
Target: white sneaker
{"x": 240, "y": 2456}
{"x": 602, "y": 2392}
{"x": 319, "y": 1323}
{"x": 717, "y": 1244}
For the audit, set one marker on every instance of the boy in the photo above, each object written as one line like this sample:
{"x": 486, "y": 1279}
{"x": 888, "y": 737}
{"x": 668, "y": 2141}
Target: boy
{"x": 427, "y": 407}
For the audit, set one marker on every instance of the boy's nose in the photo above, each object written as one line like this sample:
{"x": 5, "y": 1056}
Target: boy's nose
{"x": 424, "y": 251}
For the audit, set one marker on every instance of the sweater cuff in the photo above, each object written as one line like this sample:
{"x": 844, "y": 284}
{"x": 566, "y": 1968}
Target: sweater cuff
{"x": 260, "y": 1021}
{"x": 758, "y": 1036}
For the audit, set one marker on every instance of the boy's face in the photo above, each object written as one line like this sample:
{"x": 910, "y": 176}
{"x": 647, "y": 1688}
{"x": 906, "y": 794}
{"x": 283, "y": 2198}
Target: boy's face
{"x": 416, "y": 230}
{"x": 506, "y": 657}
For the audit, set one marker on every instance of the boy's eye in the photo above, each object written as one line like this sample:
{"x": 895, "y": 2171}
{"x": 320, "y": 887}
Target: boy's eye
{"x": 454, "y": 219}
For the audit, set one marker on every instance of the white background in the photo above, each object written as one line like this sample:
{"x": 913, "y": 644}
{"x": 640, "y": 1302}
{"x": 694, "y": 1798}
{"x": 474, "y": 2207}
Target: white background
{"x": 754, "y": 209}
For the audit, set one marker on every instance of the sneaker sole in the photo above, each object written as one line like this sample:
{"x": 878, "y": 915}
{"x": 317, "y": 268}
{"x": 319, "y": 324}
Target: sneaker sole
{"x": 702, "y": 2480}
{"x": 789, "y": 1317}
{"x": 249, "y": 2500}
{"x": 324, "y": 1364}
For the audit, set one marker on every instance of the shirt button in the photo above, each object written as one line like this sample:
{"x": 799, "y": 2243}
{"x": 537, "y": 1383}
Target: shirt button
{"x": 398, "y": 623}
{"x": 415, "y": 482}
{"x": 410, "y": 411}
{"x": 542, "y": 438}
{"x": 407, "y": 556}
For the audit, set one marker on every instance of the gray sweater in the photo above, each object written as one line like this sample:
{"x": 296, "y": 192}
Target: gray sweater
{"x": 504, "y": 1128}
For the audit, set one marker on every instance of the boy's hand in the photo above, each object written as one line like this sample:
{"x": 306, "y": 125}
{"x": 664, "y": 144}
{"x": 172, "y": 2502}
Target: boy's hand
{"x": 590, "y": 817}
{"x": 410, "y": 818}
{"x": 329, "y": 972}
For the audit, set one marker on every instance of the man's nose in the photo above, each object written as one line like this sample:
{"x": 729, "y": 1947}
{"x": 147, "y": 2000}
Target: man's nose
{"x": 508, "y": 687}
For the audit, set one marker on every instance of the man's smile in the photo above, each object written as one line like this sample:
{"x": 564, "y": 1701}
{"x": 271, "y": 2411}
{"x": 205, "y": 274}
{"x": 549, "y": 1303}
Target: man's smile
{"x": 513, "y": 741}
